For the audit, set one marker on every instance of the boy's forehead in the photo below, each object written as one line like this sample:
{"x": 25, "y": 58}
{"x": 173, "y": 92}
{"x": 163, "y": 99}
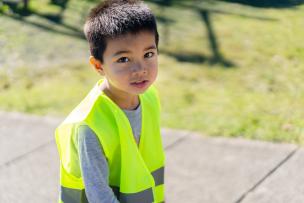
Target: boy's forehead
{"x": 131, "y": 40}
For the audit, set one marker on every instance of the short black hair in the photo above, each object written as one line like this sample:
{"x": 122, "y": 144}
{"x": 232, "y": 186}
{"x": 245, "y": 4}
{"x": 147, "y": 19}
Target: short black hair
{"x": 113, "y": 18}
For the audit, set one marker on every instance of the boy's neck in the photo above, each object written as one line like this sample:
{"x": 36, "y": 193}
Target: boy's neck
{"x": 124, "y": 101}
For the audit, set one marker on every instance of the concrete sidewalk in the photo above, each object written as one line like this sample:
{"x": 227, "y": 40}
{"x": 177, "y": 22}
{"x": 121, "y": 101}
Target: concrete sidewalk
{"x": 199, "y": 169}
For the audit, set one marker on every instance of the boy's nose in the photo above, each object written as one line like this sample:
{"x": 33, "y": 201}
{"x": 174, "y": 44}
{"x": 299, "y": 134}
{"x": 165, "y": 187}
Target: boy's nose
{"x": 139, "y": 69}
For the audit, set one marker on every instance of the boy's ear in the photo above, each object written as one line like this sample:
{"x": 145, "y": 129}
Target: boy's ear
{"x": 97, "y": 65}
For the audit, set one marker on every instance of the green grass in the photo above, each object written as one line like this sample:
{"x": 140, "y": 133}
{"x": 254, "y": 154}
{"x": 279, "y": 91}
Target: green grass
{"x": 260, "y": 97}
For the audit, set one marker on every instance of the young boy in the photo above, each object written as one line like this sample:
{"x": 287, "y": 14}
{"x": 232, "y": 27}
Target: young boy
{"x": 110, "y": 145}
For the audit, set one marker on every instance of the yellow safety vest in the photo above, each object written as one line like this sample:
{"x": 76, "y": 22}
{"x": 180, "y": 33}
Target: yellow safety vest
{"x": 136, "y": 173}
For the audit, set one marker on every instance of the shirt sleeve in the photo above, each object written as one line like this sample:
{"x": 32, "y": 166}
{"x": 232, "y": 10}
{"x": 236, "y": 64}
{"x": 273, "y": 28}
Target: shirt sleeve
{"x": 94, "y": 167}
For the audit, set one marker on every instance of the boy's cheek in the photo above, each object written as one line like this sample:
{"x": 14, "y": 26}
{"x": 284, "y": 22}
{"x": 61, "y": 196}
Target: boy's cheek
{"x": 152, "y": 63}
{"x": 120, "y": 70}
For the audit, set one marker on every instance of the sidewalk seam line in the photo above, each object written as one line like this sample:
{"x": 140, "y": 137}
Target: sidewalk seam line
{"x": 20, "y": 157}
{"x": 177, "y": 141}
{"x": 267, "y": 175}
{"x": 51, "y": 141}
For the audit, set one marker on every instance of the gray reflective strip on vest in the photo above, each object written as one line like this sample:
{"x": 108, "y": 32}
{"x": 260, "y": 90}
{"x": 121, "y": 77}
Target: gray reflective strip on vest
{"x": 69, "y": 195}
{"x": 158, "y": 176}
{"x": 145, "y": 196}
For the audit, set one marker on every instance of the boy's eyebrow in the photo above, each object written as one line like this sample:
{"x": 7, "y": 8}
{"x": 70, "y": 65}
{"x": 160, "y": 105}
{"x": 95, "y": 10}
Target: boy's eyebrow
{"x": 127, "y": 51}
{"x": 150, "y": 47}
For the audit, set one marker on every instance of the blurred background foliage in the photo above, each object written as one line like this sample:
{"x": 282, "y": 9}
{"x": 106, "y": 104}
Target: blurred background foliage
{"x": 226, "y": 68}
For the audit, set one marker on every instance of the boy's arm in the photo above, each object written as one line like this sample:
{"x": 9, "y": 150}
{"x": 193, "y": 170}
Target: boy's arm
{"x": 94, "y": 168}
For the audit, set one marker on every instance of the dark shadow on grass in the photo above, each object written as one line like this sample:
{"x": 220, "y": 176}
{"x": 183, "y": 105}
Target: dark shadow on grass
{"x": 166, "y": 28}
{"x": 14, "y": 5}
{"x": 205, "y": 14}
{"x": 268, "y": 3}
{"x": 76, "y": 34}
{"x": 163, "y": 3}
{"x": 57, "y": 19}
{"x": 61, "y": 3}
{"x": 262, "y": 18}
{"x": 211, "y": 35}
{"x": 21, "y": 14}
{"x": 163, "y": 19}
{"x": 199, "y": 59}
{"x": 198, "y": 6}
{"x": 193, "y": 58}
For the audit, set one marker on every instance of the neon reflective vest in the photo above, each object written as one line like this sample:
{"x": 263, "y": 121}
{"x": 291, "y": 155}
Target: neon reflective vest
{"x": 136, "y": 173}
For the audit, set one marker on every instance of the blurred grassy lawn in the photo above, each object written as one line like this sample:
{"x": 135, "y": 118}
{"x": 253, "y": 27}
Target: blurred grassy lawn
{"x": 260, "y": 97}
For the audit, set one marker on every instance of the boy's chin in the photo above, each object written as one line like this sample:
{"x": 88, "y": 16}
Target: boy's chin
{"x": 141, "y": 91}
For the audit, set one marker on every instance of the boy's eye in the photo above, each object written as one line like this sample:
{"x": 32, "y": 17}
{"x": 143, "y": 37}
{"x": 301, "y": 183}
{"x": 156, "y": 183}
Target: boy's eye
{"x": 123, "y": 60}
{"x": 149, "y": 55}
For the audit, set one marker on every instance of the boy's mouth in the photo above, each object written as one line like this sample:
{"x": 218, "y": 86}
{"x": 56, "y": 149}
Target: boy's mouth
{"x": 140, "y": 84}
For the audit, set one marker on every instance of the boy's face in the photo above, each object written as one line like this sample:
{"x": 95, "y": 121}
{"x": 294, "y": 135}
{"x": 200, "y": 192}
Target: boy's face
{"x": 130, "y": 63}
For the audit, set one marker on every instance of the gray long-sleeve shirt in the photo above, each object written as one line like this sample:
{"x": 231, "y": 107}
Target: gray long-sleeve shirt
{"x": 94, "y": 166}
